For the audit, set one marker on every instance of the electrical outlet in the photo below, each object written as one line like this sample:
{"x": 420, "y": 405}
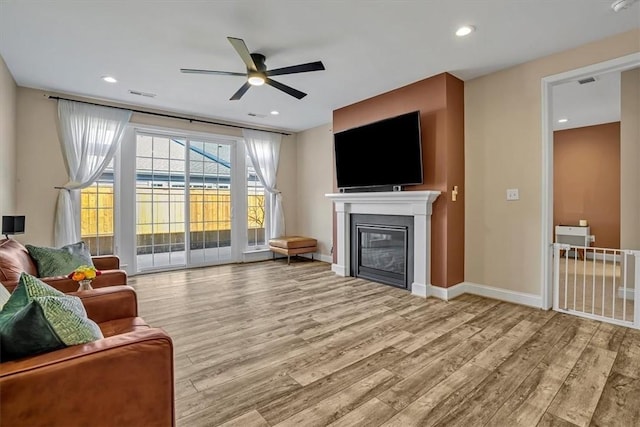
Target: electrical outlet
{"x": 513, "y": 194}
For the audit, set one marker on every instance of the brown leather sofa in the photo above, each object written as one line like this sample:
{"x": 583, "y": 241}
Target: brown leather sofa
{"x": 125, "y": 379}
{"x": 14, "y": 259}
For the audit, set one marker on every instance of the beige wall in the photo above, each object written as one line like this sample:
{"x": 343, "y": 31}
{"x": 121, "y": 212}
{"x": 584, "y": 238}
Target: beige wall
{"x": 40, "y": 166}
{"x": 315, "y": 179}
{"x": 503, "y": 149}
{"x": 7, "y": 141}
{"x": 630, "y": 163}
{"x": 287, "y": 181}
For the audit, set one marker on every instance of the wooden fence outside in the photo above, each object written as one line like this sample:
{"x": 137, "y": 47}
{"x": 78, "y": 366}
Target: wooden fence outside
{"x": 161, "y": 210}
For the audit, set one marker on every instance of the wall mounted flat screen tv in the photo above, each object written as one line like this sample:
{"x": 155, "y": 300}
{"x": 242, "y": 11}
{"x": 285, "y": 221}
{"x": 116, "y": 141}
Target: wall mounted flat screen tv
{"x": 383, "y": 153}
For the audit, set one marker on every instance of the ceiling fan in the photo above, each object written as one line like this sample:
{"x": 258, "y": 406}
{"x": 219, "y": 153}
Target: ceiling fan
{"x": 257, "y": 73}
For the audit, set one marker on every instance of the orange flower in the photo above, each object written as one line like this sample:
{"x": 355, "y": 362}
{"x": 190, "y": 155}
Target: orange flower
{"x": 77, "y": 276}
{"x": 84, "y": 272}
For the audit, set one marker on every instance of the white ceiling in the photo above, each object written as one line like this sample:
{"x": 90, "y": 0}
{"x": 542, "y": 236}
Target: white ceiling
{"x": 368, "y": 47}
{"x": 587, "y": 104}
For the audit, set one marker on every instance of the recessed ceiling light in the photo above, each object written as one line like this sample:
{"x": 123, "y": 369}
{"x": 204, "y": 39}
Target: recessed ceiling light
{"x": 465, "y": 30}
{"x": 619, "y": 5}
{"x": 275, "y": 113}
{"x": 109, "y": 79}
{"x": 563, "y": 120}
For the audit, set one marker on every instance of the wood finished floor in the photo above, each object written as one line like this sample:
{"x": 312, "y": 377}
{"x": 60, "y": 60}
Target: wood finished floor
{"x": 266, "y": 344}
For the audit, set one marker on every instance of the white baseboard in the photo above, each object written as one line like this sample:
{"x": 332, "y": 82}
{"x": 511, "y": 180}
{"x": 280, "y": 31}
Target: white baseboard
{"x": 446, "y": 294}
{"x": 319, "y": 257}
{"x": 598, "y": 256}
{"x": 451, "y": 292}
{"x": 437, "y": 292}
{"x": 419, "y": 290}
{"x": 252, "y": 256}
{"x": 338, "y": 269}
{"x": 532, "y": 300}
{"x": 629, "y": 291}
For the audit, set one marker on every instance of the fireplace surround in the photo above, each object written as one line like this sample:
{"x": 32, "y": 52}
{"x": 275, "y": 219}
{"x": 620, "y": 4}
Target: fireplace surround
{"x": 416, "y": 204}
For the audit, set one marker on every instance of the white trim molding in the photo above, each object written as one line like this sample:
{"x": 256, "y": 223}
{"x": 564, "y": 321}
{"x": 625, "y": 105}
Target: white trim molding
{"x": 507, "y": 295}
{"x": 628, "y": 293}
{"x": 317, "y": 257}
{"x": 447, "y": 293}
{"x": 417, "y": 204}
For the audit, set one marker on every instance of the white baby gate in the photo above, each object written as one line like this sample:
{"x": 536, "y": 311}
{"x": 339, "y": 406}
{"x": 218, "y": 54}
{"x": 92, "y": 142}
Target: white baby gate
{"x": 597, "y": 283}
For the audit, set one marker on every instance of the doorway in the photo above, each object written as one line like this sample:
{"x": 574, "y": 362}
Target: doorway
{"x": 550, "y": 123}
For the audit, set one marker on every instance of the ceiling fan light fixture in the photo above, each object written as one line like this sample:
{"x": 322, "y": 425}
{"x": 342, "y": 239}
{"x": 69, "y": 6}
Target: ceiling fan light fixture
{"x": 256, "y": 79}
{"x": 257, "y": 73}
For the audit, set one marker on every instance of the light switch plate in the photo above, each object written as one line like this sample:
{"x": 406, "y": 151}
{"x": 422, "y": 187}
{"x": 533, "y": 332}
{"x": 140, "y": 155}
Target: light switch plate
{"x": 513, "y": 194}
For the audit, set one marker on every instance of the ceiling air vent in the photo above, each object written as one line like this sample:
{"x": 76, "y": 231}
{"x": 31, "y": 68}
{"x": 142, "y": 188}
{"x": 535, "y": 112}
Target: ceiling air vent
{"x": 262, "y": 116}
{"x": 138, "y": 93}
{"x": 587, "y": 80}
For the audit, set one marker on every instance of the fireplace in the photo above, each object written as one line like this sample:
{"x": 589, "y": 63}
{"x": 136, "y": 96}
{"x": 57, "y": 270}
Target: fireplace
{"x": 414, "y": 204}
{"x": 382, "y": 248}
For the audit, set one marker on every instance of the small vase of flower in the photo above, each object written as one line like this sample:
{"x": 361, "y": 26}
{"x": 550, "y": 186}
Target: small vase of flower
{"x": 84, "y": 274}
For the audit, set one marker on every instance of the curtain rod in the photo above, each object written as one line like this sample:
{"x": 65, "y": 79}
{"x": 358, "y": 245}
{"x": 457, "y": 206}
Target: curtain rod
{"x": 170, "y": 116}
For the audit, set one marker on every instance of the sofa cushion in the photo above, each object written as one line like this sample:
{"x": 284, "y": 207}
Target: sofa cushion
{"x": 59, "y": 261}
{"x": 14, "y": 259}
{"x": 38, "y": 318}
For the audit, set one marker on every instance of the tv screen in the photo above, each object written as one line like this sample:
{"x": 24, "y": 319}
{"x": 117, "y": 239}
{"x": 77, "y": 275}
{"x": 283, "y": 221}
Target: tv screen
{"x": 384, "y": 153}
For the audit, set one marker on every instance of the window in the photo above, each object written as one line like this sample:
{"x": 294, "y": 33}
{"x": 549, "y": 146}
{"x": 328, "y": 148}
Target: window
{"x": 97, "y": 214}
{"x": 176, "y": 194}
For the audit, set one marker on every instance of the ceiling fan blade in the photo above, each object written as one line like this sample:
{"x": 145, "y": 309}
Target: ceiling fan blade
{"x": 236, "y": 96}
{"x": 241, "y": 48}
{"x": 287, "y": 89}
{"x": 302, "y": 68}
{"x": 220, "y": 73}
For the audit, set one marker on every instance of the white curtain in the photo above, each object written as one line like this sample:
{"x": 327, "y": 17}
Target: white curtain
{"x": 89, "y": 137}
{"x": 264, "y": 151}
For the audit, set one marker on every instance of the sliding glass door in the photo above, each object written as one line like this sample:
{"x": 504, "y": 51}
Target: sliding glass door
{"x": 209, "y": 202}
{"x": 183, "y": 202}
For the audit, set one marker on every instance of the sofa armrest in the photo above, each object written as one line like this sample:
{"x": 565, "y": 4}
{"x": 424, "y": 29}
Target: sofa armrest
{"x": 107, "y": 278}
{"x": 122, "y": 380}
{"x": 66, "y": 285}
{"x": 106, "y": 262}
{"x": 110, "y": 278}
{"x": 110, "y": 303}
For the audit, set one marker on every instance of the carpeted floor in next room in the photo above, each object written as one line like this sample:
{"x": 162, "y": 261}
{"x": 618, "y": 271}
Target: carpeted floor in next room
{"x": 265, "y": 344}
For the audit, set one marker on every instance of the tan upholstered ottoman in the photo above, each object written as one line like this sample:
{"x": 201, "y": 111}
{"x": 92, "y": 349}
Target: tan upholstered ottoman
{"x": 293, "y": 245}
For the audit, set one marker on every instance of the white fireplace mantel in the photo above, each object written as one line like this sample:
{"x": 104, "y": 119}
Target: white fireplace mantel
{"x": 410, "y": 203}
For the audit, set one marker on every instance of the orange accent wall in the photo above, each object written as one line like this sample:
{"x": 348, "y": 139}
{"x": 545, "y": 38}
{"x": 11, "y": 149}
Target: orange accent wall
{"x": 586, "y": 180}
{"x": 440, "y": 100}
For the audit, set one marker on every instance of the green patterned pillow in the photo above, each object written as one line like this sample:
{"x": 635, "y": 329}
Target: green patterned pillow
{"x": 59, "y": 262}
{"x": 38, "y": 318}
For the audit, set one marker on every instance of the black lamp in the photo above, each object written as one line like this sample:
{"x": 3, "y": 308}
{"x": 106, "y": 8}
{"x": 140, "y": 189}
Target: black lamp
{"x": 12, "y": 225}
